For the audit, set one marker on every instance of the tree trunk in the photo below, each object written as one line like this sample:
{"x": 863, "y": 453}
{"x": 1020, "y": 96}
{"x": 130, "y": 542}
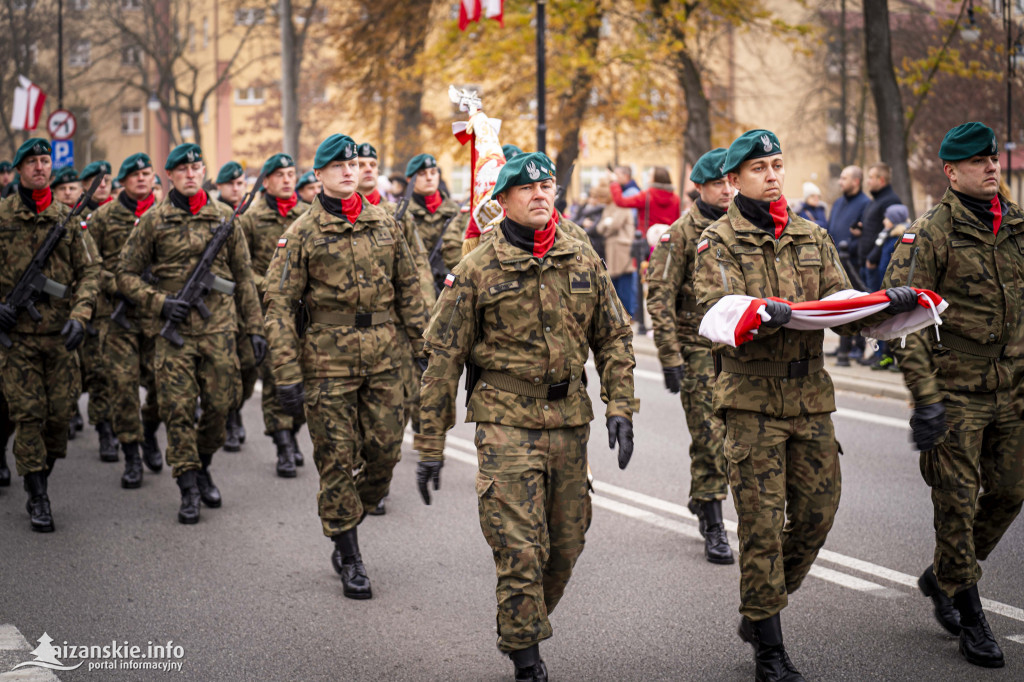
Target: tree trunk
{"x": 408, "y": 136}
{"x": 886, "y": 93}
{"x": 289, "y": 82}
{"x": 697, "y": 136}
{"x": 573, "y": 106}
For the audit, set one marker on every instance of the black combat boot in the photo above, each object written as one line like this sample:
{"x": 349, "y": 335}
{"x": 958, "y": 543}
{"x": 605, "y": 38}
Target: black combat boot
{"x": 231, "y": 440}
{"x": 695, "y": 508}
{"x": 299, "y": 459}
{"x": 108, "y": 443}
{"x": 76, "y": 419}
{"x": 188, "y": 512}
{"x": 716, "y": 543}
{"x": 6, "y": 430}
{"x": 38, "y": 505}
{"x": 151, "y": 455}
{"x": 5, "y": 473}
{"x": 771, "y": 662}
{"x": 945, "y": 612}
{"x": 239, "y": 427}
{"x": 207, "y": 490}
{"x": 285, "y": 453}
{"x": 977, "y": 644}
{"x": 349, "y": 565}
{"x": 529, "y": 665}
{"x": 380, "y": 509}
{"x": 132, "y": 477}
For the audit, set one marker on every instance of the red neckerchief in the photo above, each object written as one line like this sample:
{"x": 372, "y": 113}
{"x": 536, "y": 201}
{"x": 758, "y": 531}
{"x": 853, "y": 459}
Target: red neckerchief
{"x": 197, "y": 201}
{"x": 143, "y": 205}
{"x": 997, "y": 214}
{"x": 42, "y": 198}
{"x": 433, "y": 201}
{"x": 105, "y": 201}
{"x": 285, "y": 205}
{"x": 352, "y": 207}
{"x": 373, "y": 197}
{"x": 545, "y": 238}
{"x": 780, "y": 215}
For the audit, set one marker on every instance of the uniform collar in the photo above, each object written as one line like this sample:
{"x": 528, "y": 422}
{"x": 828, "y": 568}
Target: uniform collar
{"x": 965, "y": 221}
{"x": 513, "y": 258}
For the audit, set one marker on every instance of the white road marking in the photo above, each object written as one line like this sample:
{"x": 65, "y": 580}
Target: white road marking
{"x": 12, "y": 640}
{"x": 29, "y": 675}
{"x": 853, "y": 583}
{"x": 1019, "y": 639}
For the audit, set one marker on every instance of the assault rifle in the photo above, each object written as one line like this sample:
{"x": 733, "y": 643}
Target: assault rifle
{"x": 201, "y": 281}
{"x": 437, "y": 266}
{"x": 119, "y": 316}
{"x": 403, "y": 204}
{"x": 32, "y": 281}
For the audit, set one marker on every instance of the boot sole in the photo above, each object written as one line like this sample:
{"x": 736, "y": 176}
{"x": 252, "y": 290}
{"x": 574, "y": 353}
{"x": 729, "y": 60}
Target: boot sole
{"x": 130, "y": 486}
{"x": 212, "y": 505}
{"x": 983, "y": 662}
{"x": 155, "y": 470}
{"x": 231, "y": 448}
{"x": 358, "y": 595}
{"x": 109, "y": 458}
{"x": 287, "y": 474}
{"x": 187, "y": 521}
{"x": 43, "y": 529}
{"x": 720, "y": 562}
{"x": 299, "y": 462}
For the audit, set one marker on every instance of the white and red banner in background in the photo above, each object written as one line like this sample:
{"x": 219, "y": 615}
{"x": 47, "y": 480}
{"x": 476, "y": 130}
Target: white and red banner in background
{"x": 474, "y": 10}
{"x": 734, "y": 319}
{"x": 28, "y": 105}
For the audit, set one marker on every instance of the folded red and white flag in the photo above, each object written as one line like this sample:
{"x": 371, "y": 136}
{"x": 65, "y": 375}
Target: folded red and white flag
{"x": 735, "y": 319}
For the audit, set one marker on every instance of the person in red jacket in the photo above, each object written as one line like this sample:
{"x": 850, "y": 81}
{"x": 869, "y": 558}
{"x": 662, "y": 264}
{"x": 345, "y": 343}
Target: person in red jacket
{"x": 657, "y": 204}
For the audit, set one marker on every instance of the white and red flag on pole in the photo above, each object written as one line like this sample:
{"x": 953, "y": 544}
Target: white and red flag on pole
{"x": 734, "y": 319}
{"x": 473, "y": 10}
{"x": 28, "y": 105}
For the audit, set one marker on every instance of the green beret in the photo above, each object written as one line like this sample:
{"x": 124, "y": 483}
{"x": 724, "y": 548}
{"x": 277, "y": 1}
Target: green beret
{"x": 753, "y": 144}
{"x": 116, "y": 184}
{"x": 367, "y": 151}
{"x": 135, "y": 162}
{"x": 418, "y": 163}
{"x": 709, "y": 167}
{"x": 967, "y": 140}
{"x": 277, "y": 161}
{"x": 510, "y": 151}
{"x": 5, "y": 166}
{"x": 524, "y": 169}
{"x": 63, "y": 176}
{"x": 337, "y": 147}
{"x": 232, "y": 170}
{"x": 183, "y": 153}
{"x": 308, "y": 178}
{"x": 95, "y": 168}
{"x": 34, "y": 146}
{"x": 156, "y": 180}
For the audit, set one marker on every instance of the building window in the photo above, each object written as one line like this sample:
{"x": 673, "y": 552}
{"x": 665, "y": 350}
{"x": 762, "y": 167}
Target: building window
{"x": 79, "y": 53}
{"x": 250, "y": 16}
{"x": 250, "y": 95}
{"x": 131, "y": 121}
{"x": 131, "y": 55}
{"x": 206, "y": 32}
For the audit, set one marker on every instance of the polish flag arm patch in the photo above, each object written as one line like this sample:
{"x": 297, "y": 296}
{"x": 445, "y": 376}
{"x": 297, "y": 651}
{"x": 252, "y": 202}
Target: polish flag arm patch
{"x": 703, "y": 245}
{"x": 666, "y": 237}
{"x": 449, "y": 281}
{"x": 908, "y": 238}
{"x": 85, "y": 225}
{"x": 282, "y": 242}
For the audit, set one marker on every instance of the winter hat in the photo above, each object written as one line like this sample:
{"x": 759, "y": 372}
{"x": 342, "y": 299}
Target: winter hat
{"x": 810, "y": 189}
{"x": 896, "y": 214}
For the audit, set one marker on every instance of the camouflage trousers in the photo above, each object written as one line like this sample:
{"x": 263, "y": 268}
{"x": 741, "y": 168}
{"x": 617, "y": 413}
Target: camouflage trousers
{"x": 41, "y": 382}
{"x": 786, "y": 483}
{"x": 977, "y": 479}
{"x": 534, "y": 512}
{"x": 250, "y": 371}
{"x": 129, "y": 360}
{"x": 274, "y": 417}
{"x": 411, "y": 376}
{"x": 707, "y": 432}
{"x": 95, "y": 374}
{"x": 354, "y": 422}
{"x": 206, "y": 367}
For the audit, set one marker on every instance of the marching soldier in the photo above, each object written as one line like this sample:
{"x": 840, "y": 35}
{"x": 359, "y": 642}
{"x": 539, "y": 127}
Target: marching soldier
{"x": 40, "y": 368}
{"x": 129, "y": 352}
{"x": 169, "y": 241}
{"x": 6, "y": 176}
{"x": 524, "y": 310}
{"x": 158, "y": 188}
{"x": 262, "y": 226}
{"x": 431, "y": 212}
{"x": 66, "y": 186}
{"x": 773, "y": 392}
{"x": 969, "y": 249}
{"x": 231, "y": 184}
{"x": 686, "y": 356}
{"x": 102, "y": 194}
{"x": 348, "y": 263}
{"x": 308, "y": 187}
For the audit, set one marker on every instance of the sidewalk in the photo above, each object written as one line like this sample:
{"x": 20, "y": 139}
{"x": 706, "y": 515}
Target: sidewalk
{"x": 856, "y": 378}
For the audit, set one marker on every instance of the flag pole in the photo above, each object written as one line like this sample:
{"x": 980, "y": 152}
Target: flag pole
{"x": 541, "y": 122}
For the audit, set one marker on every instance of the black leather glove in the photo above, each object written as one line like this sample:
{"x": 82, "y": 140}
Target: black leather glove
{"x": 175, "y": 309}
{"x": 425, "y": 473}
{"x": 901, "y": 300}
{"x": 421, "y": 363}
{"x": 673, "y": 375}
{"x": 73, "y": 333}
{"x": 928, "y": 425}
{"x": 620, "y": 430}
{"x": 259, "y": 347}
{"x": 292, "y": 397}
{"x": 779, "y": 312}
{"x": 8, "y": 317}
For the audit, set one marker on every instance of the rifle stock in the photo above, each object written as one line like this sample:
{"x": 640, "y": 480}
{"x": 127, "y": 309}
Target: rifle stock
{"x": 403, "y": 205}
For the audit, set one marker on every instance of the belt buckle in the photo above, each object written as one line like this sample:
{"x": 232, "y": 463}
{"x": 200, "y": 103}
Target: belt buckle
{"x": 799, "y": 368}
{"x": 558, "y": 391}
{"x": 363, "y": 319}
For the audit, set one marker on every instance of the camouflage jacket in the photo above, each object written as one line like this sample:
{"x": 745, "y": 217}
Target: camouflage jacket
{"x": 262, "y": 226}
{"x": 109, "y": 227}
{"x": 339, "y": 267}
{"x": 75, "y": 262}
{"x": 981, "y": 276}
{"x": 170, "y": 242}
{"x": 535, "y": 319}
{"x": 419, "y": 251}
{"x": 670, "y": 298}
{"x": 565, "y": 225}
{"x": 451, "y": 247}
{"x": 429, "y": 225}
{"x": 802, "y": 265}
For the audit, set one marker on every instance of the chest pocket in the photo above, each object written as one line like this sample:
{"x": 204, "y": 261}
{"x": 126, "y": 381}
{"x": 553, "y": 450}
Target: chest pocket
{"x": 383, "y": 237}
{"x": 330, "y": 260}
{"x": 802, "y": 282}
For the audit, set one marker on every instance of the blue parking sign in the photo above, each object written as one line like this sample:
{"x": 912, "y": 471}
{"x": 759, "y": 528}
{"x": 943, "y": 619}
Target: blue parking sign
{"x": 63, "y": 153}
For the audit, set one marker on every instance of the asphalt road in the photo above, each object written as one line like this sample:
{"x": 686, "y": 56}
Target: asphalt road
{"x": 249, "y": 593}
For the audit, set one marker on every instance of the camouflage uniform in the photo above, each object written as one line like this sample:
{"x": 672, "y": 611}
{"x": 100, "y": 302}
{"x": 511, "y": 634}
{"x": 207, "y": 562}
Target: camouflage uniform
{"x": 527, "y": 323}
{"x": 676, "y": 319}
{"x": 355, "y": 398}
{"x": 40, "y": 377}
{"x": 451, "y": 248}
{"x": 429, "y": 226}
{"x": 96, "y": 369}
{"x": 170, "y": 241}
{"x": 976, "y": 369}
{"x": 262, "y": 226}
{"x": 775, "y": 399}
